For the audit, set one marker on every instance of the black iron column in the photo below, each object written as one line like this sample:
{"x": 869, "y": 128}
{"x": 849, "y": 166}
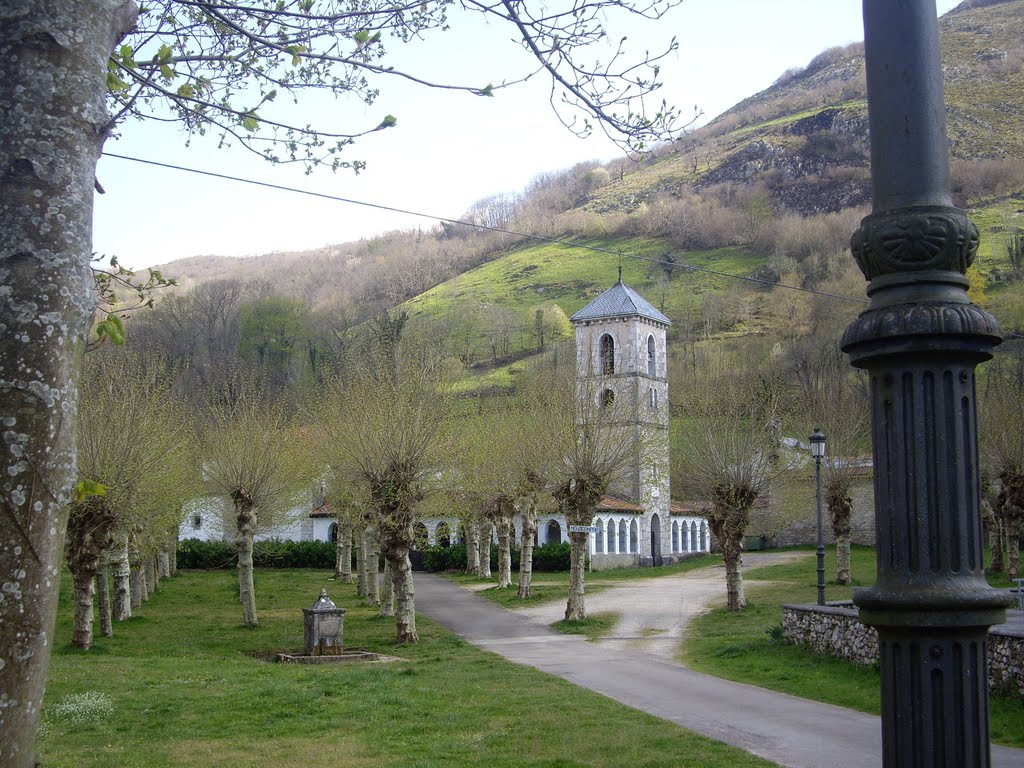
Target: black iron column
{"x": 920, "y": 340}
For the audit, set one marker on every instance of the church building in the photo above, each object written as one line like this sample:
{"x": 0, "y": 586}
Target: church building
{"x": 621, "y": 357}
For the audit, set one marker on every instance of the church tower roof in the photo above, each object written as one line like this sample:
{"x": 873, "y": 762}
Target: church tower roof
{"x": 619, "y": 301}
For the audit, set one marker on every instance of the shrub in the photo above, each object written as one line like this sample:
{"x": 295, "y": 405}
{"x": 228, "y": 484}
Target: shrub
{"x": 205, "y": 555}
{"x": 272, "y": 553}
{"x": 551, "y": 557}
{"x": 452, "y": 558}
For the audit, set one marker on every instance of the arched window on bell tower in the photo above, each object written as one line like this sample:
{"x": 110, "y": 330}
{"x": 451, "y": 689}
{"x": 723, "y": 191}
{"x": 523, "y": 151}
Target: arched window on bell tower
{"x": 652, "y": 357}
{"x": 607, "y": 355}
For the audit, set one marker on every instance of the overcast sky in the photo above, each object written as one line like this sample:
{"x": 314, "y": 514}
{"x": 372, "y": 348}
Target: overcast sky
{"x": 448, "y": 150}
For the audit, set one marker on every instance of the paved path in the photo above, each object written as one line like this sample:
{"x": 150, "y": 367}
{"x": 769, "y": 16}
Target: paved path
{"x": 654, "y": 613}
{"x": 787, "y": 730}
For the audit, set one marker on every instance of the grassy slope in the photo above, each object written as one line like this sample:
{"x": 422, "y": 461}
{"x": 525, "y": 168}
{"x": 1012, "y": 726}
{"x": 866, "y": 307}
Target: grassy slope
{"x": 186, "y": 692}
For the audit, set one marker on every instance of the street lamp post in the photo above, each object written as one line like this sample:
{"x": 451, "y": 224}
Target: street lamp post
{"x": 818, "y": 451}
{"x": 920, "y": 340}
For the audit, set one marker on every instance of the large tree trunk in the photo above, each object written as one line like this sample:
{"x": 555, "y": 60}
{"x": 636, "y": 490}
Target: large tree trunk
{"x": 473, "y": 548}
{"x": 397, "y": 554}
{"x": 728, "y": 519}
{"x": 52, "y": 90}
{"x": 505, "y": 529}
{"x": 88, "y": 537}
{"x": 343, "y": 555}
{"x": 484, "y": 548}
{"x": 359, "y": 534}
{"x": 732, "y": 553}
{"x": 528, "y": 509}
{"x": 103, "y": 589}
{"x": 173, "y": 552}
{"x": 245, "y": 528}
{"x": 151, "y": 573}
{"x": 997, "y": 545}
{"x": 137, "y": 586}
{"x": 81, "y": 632}
{"x": 843, "y": 559}
{"x": 387, "y": 595}
{"x": 372, "y": 564}
{"x": 163, "y": 564}
{"x": 122, "y": 608}
{"x": 840, "y": 510}
{"x": 575, "y": 606}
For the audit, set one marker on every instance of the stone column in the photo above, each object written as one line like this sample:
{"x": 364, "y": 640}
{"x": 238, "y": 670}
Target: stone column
{"x": 920, "y": 340}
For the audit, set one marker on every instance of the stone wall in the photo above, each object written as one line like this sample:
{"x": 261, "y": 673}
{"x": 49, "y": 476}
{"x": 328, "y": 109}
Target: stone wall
{"x": 834, "y": 630}
{"x": 831, "y": 630}
{"x": 790, "y": 518}
{"x": 1006, "y": 660}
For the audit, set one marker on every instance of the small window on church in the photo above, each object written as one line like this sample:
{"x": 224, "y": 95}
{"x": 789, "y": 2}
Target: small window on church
{"x": 652, "y": 361}
{"x": 197, "y": 522}
{"x": 607, "y": 398}
{"x": 607, "y": 355}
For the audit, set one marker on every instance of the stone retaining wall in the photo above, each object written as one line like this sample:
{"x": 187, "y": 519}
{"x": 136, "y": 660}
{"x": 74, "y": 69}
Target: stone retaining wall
{"x": 834, "y": 630}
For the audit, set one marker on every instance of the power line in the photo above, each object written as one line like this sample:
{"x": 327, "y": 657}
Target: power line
{"x": 499, "y": 230}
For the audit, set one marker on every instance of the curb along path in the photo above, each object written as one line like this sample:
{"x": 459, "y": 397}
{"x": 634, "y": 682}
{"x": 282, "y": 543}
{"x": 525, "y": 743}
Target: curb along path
{"x": 792, "y": 732}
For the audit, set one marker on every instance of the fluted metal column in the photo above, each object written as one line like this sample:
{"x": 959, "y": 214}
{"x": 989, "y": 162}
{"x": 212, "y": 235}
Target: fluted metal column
{"x": 920, "y": 340}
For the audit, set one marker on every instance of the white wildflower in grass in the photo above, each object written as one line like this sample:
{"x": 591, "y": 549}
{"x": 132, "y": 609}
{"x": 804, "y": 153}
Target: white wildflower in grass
{"x": 80, "y": 709}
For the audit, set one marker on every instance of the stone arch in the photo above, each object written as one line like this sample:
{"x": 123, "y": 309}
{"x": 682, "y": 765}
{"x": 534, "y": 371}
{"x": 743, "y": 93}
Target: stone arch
{"x": 332, "y": 532}
{"x": 612, "y": 549}
{"x": 607, "y": 398}
{"x": 554, "y": 532}
{"x": 443, "y": 534}
{"x": 675, "y": 536}
{"x": 652, "y": 356}
{"x": 606, "y": 351}
{"x": 420, "y": 535}
{"x": 634, "y": 536}
{"x": 656, "y": 538}
{"x": 705, "y": 545}
{"x": 623, "y": 537}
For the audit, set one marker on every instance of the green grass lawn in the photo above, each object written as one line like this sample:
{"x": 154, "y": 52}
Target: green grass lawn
{"x": 181, "y": 685}
{"x": 746, "y": 645}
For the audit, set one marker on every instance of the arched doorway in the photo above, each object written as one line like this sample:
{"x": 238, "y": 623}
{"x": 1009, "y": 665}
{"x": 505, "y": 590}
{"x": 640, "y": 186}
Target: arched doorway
{"x": 554, "y": 533}
{"x": 656, "y": 539}
{"x": 443, "y": 535}
{"x": 332, "y": 533}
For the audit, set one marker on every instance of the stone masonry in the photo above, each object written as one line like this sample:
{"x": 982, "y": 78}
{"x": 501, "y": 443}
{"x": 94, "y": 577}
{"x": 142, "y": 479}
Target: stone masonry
{"x": 835, "y": 631}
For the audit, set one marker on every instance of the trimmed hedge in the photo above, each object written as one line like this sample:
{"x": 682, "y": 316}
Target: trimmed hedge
{"x": 546, "y": 557}
{"x": 272, "y": 553}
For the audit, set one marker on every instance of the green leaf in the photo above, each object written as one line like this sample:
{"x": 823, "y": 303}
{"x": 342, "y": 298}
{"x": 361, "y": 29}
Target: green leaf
{"x": 86, "y": 488}
{"x": 388, "y": 122}
{"x": 250, "y": 122}
{"x": 186, "y": 91}
{"x": 167, "y": 71}
{"x": 164, "y": 54}
{"x": 110, "y": 328}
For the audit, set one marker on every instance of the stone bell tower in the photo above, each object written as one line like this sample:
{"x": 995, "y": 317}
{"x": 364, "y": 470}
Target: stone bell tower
{"x": 621, "y": 357}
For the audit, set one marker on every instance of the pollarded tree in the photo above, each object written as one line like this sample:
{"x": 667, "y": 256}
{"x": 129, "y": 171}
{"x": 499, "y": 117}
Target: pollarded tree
{"x": 386, "y": 429}
{"x": 132, "y": 442}
{"x": 594, "y": 446}
{"x": 723, "y": 458}
{"x": 253, "y": 454}
{"x": 214, "y": 67}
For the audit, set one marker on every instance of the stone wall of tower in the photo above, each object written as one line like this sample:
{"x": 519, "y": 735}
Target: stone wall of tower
{"x": 641, "y": 384}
